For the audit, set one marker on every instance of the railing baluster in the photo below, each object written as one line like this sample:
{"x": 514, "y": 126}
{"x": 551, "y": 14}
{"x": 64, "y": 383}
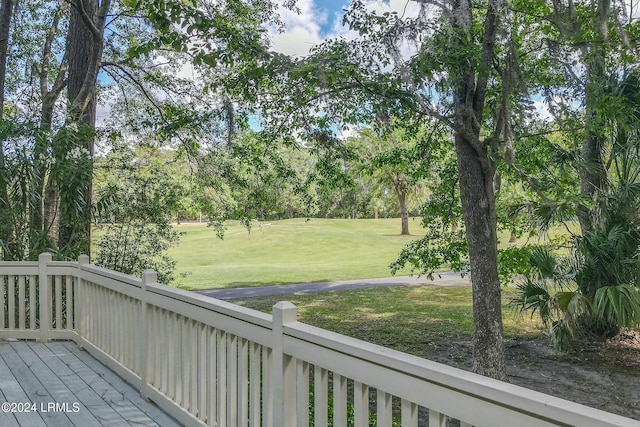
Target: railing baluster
{"x": 32, "y": 302}
{"x": 243, "y": 382}
{"x": 436, "y": 419}
{"x": 267, "y": 369}
{"x": 254, "y": 385}
{"x": 183, "y": 364}
{"x": 185, "y": 355}
{"x": 100, "y": 294}
{"x": 212, "y": 376}
{"x": 339, "y": 401}
{"x": 409, "y": 414}
{"x": 320, "y": 396}
{"x": 21, "y": 303}
{"x": 187, "y": 352}
{"x": 193, "y": 395}
{"x": 125, "y": 330}
{"x": 102, "y": 329}
{"x": 11, "y": 294}
{"x": 383, "y": 405}
{"x": 202, "y": 371}
{"x": 177, "y": 357}
{"x": 152, "y": 335}
{"x": 92, "y": 298}
{"x": 101, "y": 332}
{"x": 222, "y": 377}
{"x": 108, "y": 323}
{"x": 163, "y": 316}
{"x": 69, "y": 304}
{"x": 171, "y": 359}
{"x": 361, "y": 404}
{"x": 58, "y": 302}
{"x": 232, "y": 380}
{"x": 302, "y": 384}
{"x": 157, "y": 337}
{"x": 88, "y": 312}
{"x": 136, "y": 339}
{"x": 117, "y": 327}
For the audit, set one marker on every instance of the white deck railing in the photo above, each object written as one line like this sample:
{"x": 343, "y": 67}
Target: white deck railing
{"x": 212, "y": 363}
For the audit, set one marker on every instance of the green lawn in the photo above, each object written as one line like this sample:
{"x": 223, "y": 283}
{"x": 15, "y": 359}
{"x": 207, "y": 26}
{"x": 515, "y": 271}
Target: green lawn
{"x": 412, "y": 319}
{"x": 288, "y": 251}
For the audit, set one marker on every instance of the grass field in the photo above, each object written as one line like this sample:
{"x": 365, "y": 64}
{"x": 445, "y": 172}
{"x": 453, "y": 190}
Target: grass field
{"x": 412, "y": 319}
{"x": 288, "y": 251}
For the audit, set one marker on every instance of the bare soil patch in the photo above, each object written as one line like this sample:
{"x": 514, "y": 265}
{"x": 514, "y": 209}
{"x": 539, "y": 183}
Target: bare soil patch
{"x": 604, "y": 375}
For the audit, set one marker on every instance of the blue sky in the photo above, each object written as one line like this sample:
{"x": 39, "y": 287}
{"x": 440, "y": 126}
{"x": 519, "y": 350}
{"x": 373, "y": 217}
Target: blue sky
{"x": 334, "y": 11}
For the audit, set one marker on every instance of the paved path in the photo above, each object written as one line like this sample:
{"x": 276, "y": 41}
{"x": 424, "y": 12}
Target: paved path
{"x": 445, "y": 278}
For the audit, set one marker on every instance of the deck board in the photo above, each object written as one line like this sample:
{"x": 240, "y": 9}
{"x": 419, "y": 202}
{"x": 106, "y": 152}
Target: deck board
{"x": 59, "y": 372}
{"x": 52, "y": 385}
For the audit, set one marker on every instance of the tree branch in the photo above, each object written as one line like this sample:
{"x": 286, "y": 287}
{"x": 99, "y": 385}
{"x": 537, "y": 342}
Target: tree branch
{"x": 136, "y": 83}
{"x": 46, "y": 51}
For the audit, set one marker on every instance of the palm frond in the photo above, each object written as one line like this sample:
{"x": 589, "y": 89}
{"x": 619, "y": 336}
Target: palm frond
{"x": 619, "y": 304}
{"x": 533, "y": 296}
{"x": 544, "y": 262}
{"x": 561, "y": 335}
{"x": 553, "y": 212}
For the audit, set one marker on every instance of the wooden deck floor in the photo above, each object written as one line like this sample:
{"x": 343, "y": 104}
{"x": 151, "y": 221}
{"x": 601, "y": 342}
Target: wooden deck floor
{"x": 64, "y": 386}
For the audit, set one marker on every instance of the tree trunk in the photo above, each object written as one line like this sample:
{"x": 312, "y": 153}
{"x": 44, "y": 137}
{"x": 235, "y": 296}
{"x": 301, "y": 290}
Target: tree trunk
{"x": 85, "y": 44}
{"x": 593, "y": 175}
{"x": 478, "y": 207}
{"x": 400, "y": 187}
{"x": 404, "y": 214}
{"x": 44, "y": 205}
{"x": 476, "y": 170}
{"x": 5, "y": 205}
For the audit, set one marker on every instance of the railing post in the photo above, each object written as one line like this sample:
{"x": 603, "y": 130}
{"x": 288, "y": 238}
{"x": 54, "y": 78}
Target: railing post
{"x": 284, "y": 368}
{"x": 148, "y": 277}
{"x": 44, "y": 292}
{"x": 78, "y": 301}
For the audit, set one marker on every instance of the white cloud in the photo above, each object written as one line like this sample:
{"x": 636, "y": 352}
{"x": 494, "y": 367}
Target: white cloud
{"x": 296, "y": 41}
{"x": 302, "y": 30}
{"x": 542, "y": 110}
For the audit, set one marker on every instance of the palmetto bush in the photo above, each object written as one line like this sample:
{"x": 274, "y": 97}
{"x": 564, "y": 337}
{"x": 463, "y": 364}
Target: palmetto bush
{"x": 572, "y": 303}
{"x": 593, "y": 291}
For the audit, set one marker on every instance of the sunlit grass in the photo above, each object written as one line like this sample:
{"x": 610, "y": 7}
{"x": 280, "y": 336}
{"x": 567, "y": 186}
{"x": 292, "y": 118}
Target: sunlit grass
{"x": 288, "y": 251}
{"x": 412, "y": 319}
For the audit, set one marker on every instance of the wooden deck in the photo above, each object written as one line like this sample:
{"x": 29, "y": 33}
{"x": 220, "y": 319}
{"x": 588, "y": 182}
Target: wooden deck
{"x": 64, "y": 386}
